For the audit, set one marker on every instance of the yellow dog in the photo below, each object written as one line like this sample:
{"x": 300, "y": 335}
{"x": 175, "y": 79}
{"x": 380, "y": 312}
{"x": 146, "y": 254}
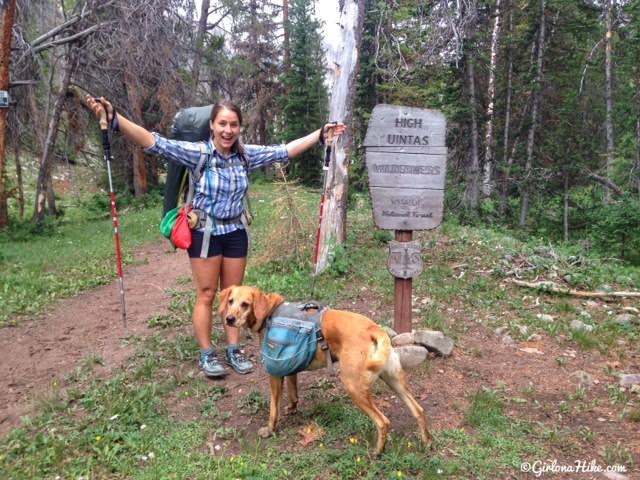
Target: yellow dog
{"x": 363, "y": 349}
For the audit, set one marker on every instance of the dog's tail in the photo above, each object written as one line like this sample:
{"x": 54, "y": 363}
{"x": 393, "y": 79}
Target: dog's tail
{"x": 380, "y": 350}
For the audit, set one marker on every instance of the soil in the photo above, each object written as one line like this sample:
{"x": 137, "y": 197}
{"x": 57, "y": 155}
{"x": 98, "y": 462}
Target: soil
{"x": 39, "y": 354}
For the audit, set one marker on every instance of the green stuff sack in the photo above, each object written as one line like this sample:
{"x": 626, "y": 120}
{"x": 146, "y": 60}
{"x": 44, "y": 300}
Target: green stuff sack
{"x": 168, "y": 221}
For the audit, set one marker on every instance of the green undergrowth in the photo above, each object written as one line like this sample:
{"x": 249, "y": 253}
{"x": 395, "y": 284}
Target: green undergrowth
{"x": 138, "y": 424}
{"x": 158, "y": 418}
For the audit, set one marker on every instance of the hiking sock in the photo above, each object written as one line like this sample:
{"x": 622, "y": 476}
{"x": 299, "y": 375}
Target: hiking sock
{"x": 232, "y": 347}
{"x": 206, "y": 351}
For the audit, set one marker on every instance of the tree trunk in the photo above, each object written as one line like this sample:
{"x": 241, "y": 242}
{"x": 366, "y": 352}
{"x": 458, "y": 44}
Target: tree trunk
{"x": 197, "y": 51}
{"x": 487, "y": 181}
{"x": 49, "y": 145}
{"x": 472, "y": 194}
{"x": 507, "y": 159}
{"x": 140, "y": 184}
{"x": 637, "y": 167}
{"x": 609, "y": 96}
{"x": 333, "y": 226}
{"x": 51, "y": 198}
{"x": 285, "y": 25}
{"x": 8, "y": 19}
{"x": 537, "y": 94}
{"x": 565, "y": 216}
{"x": 19, "y": 179}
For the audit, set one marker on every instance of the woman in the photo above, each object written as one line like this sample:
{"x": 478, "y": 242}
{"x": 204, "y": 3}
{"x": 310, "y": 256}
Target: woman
{"x": 219, "y": 194}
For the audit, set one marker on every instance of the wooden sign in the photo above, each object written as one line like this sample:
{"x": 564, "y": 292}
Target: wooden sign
{"x": 405, "y": 259}
{"x": 406, "y": 161}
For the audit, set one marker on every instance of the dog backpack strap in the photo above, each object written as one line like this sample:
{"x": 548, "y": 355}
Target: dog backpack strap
{"x": 324, "y": 346}
{"x": 317, "y": 319}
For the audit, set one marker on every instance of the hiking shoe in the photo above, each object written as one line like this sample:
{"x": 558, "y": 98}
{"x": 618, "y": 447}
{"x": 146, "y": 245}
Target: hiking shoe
{"x": 239, "y": 361}
{"x": 211, "y": 366}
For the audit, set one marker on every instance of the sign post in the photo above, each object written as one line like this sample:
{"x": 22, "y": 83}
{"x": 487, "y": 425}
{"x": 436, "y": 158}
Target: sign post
{"x": 406, "y": 158}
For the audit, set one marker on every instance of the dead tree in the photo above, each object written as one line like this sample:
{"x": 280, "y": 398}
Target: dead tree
{"x": 197, "y": 51}
{"x": 333, "y": 229}
{"x": 43, "y": 184}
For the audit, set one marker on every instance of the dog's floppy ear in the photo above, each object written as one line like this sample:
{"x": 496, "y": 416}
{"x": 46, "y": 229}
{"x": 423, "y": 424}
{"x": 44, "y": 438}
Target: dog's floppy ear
{"x": 224, "y": 296}
{"x": 264, "y": 305}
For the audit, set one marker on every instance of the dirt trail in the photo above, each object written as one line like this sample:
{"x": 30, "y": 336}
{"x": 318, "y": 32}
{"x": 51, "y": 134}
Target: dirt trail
{"x": 42, "y": 352}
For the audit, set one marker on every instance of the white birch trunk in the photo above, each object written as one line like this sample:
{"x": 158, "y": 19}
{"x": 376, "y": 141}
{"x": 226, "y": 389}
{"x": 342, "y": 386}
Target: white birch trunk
{"x": 528, "y": 168}
{"x": 609, "y": 97}
{"x": 487, "y": 181}
{"x": 472, "y": 193}
{"x": 333, "y": 225}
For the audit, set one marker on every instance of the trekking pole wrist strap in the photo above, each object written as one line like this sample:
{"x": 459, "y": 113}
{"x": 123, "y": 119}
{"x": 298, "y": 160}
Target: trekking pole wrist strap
{"x": 114, "y": 124}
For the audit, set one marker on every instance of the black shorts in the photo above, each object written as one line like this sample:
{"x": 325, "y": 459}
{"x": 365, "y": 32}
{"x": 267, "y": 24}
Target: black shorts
{"x": 230, "y": 245}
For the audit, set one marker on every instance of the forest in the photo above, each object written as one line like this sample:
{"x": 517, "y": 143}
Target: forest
{"x": 542, "y": 98}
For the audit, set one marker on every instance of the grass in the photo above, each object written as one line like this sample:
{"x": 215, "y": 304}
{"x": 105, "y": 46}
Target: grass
{"x": 65, "y": 259}
{"x": 157, "y": 418}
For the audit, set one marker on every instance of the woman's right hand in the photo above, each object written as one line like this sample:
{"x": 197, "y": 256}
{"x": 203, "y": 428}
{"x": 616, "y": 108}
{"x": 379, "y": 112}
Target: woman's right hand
{"x": 98, "y": 106}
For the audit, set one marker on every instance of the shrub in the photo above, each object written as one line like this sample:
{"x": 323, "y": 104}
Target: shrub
{"x": 614, "y": 229}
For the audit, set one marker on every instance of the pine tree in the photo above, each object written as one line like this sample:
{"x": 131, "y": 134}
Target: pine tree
{"x": 304, "y": 103}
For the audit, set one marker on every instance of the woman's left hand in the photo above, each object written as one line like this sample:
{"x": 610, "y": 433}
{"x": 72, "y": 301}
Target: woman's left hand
{"x": 331, "y": 130}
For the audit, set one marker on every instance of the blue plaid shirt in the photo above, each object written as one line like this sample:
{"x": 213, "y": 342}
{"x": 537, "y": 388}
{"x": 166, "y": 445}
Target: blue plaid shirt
{"x": 224, "y": 181}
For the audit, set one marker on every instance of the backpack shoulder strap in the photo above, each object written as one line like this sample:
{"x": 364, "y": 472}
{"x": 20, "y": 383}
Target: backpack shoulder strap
{"x": 196, "y": 174}
{"x": 245, "y": 164}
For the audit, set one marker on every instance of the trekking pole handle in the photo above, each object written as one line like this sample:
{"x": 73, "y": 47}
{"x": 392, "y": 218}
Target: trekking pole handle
{"x": 328, "y": 142}
{"x": 103, "y": 118}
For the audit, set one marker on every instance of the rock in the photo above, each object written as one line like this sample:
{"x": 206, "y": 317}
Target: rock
{"x": 627, "y": 380}
{"x": 501, "y": 330}
{"x": 614, "y": 476}
{"x": 635, "y": 389}
{"x": 582, "y": 378}
{"x": 625, "y": 318}
{"x": 545, "y": 318}
{"x": 411, "y": 355}
{"x": 632, "y": 310}
{"x": 390, "y": 331}
{"x": 434, "y": 341}
{"x": 536, "y": 337}
{"x": 508, "y": 340}
{"x": 584, "y": 314}
{"x": 580, "y": 326}
{"x": 591, "y": 305}
{"x": 403, "y": 339}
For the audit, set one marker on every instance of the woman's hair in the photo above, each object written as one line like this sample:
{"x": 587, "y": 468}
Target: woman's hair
{"x": 227, "y": 105}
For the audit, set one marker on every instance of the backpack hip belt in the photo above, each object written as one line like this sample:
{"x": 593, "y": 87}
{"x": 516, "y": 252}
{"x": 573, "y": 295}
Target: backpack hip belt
{"x": 202, "y": 220}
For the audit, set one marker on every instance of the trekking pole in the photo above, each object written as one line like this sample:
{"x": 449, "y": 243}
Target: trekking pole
{"x": 106, "y": 147}
{"x": 323, "y": 196}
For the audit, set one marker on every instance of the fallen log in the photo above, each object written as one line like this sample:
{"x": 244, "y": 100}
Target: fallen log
{"x": 553, "y": 287}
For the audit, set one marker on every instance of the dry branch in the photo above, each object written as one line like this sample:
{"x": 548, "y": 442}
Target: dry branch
{"x": 553, "y": 287}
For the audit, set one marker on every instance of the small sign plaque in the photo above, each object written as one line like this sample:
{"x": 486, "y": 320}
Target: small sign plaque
{"x": 4, "y": 99}
{"x": 405, "y": 259}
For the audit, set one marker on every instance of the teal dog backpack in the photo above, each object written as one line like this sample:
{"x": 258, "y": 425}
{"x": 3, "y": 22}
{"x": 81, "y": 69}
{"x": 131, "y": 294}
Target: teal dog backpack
{"x": 291, "y": 338}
